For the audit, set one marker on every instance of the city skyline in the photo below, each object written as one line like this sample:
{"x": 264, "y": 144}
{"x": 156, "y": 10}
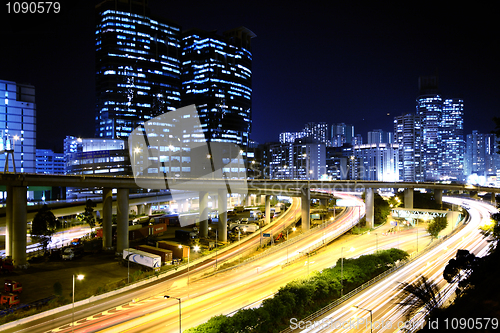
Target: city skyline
{"x": 341, "y": 63}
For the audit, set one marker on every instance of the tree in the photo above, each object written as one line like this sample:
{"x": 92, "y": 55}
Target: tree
{"x": 462, "y": 266}
{"x": 44, "y": 226}
{"x": 414, "y": 296}
{"x": 437, "y": 225}
{"x": 88, "y": 215}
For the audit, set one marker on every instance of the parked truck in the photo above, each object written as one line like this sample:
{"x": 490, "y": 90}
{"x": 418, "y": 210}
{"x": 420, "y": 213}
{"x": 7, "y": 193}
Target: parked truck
{"x": 142, "y": 258}
{"x": 9, "y": 300}
{"x": 186, "y": 235}
{"x": 166, "y": 255}
{"x": 244, "y": 228}
{"x": 13, "y": 287}
{"x": 6, "y": 265}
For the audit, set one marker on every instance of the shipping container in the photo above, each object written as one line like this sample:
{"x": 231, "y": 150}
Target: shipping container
{"x": 166, "y": 255}
{"x": 142, "y": 258}
{"x": 177, "y": 252}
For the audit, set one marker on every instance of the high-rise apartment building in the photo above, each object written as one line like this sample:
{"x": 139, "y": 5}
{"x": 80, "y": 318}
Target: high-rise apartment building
{"x": 217, "y": 78}
{"x": 430, "y": 108}
{"x": 297, "y": 161}
{"x": 377, "y": 161}
{"x": 452, "y": 145}
{"x": 379, "y": 136}
{"x": 18, "y": 126}
{"x": 137, "y": 67}
{"x": 408, "y": 136}
{"x": 442, "y": 132}
{"x": 341, "y": 133}
{"x": 481, "y": 159}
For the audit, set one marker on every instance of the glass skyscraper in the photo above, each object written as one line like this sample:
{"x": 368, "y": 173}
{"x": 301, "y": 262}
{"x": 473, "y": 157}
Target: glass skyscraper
{"x": 137, "y": 67}
{"x": 408, "y": 136}
{"x": 451, "y": 157}
{"x": 18, "y": 126}
{"x": 217, "y": 78}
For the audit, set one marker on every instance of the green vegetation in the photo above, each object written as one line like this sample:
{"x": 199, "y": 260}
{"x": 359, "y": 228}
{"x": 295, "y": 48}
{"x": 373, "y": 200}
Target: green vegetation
{"x": 88, "y": 215}
{"x": 302, "y": 297}
{"x": 437, "y": 225}
{"x": 44, "y": 226}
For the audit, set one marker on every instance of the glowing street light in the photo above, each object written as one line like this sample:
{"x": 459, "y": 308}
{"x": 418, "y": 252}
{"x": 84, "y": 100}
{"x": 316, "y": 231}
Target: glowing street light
{"x": 371, "y": 315}
{"x": 180, "y": 316}
{"x": 78, "y": 277}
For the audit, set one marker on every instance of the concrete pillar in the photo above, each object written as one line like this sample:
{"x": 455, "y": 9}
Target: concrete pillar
{"x": 267, "y": 212}
{"x": 222, "y": 225}
{"x": 473, "y": 194}
{"x": 19, "y": 224}
{"x": 369, "y": 208}
{"x": 438, "y": 196}
{"x": 107, "y": 214}
{"x": 408, "y": 198}
{"x": 122, "y": 220}
{"x": 147, "y": 209}
{"x": 305, "y": 199}
{"x": 203, "y": 214}
{"x": 262, "y": 200}
{"x": 248, "y": 200}
{"x": 493, "y": 199}
{"x": 8, "y": 222}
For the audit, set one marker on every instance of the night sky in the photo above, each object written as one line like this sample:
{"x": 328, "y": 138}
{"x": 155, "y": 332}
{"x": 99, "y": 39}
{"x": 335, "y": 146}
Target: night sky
{"x": 341, "y": 62}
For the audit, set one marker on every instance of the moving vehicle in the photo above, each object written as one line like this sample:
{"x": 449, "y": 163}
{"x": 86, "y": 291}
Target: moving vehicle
{"x": 142, "y": 258}
{"x": 6, "y": 265}
{"x": 238, "y": 209}
{"x": 244, "y": 228}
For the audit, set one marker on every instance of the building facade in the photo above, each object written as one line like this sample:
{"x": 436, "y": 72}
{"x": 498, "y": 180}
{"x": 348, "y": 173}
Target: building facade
{"x": 452, "y": 143}
{"x": 49, "y": 162}
{"x": 137, "y": 67}
{"x": 18, "y": 126}
{"x": 297, "y": 161}
{"x": 408, "y": 137}
{"x": 378, "y": 161}
{"x": 482, "y": 163}
{"x": 217, "y": 78}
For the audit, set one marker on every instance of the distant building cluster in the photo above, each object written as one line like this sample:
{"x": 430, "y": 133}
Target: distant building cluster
{"x": 426, "y": 145}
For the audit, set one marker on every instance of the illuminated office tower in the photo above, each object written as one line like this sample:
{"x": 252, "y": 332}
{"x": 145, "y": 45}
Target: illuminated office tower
{"x": 217, "y": 78}
{"x": 379, "y": 136}
{"x": 408, "y": 136}
{"x": 452, "y": 145}
{"x": 17, "y": 126}
{"x": 137, "y": 67}
{"x": 430, "y": 108}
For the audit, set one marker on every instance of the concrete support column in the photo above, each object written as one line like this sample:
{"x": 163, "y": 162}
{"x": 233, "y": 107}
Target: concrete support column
{"x": 203, "y": 214}
{"x": 19, "y": 224}
{"x": 267, "y": 211}
{"x": 248, "y": 200}
{"x": 473, "y": 195}
{"x": 107, "y": 214}
{"x": 438, "y": 196}
{"x": 122, "y": 220}
{"x": 305, "y": 199}
{"x": 262, "y": 200}
{"x": 8, "y": 223}
{"x": 369, "y": 208}
{"x": 222, "y": 225}
{"x": 493, "y": 199}
{"x": 409, "y": 198}
{"x": 147, "y": 209}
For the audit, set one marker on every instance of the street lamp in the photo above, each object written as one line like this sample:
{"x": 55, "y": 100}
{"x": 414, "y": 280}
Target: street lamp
{"x": 78, "y": 277}
{"x": 371, "y": 315}
{"x": 180, "y": 316}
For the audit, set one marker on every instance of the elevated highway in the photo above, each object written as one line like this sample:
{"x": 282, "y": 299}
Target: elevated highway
{"x": 17, "y": 186}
